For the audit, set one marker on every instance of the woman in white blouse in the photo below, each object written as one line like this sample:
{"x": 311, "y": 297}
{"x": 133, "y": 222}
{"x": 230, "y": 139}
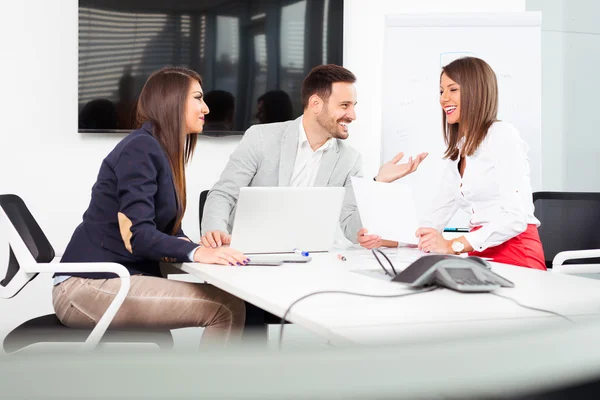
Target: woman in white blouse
{"x": 487, "y": 175}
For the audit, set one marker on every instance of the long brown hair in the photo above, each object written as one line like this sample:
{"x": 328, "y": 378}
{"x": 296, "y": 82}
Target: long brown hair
{"x": 162, "y": 103}
{"x": 478, "y": 105}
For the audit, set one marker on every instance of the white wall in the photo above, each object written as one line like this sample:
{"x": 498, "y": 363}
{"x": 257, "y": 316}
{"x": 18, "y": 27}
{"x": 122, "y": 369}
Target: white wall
{"x": 363, "y": 55}
{"x": 570, "y": 80}
{"x": 553, "y": 53}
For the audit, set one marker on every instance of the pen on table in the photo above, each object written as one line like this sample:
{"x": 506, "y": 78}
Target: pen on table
{"x": 456, "y": 230}
{"x": 301, "y": 252}
{"x": 341, "y": 257}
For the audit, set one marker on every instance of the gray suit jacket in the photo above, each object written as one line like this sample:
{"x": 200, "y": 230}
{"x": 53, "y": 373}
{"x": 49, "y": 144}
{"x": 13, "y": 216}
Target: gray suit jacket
{"x": 265, "y": 157}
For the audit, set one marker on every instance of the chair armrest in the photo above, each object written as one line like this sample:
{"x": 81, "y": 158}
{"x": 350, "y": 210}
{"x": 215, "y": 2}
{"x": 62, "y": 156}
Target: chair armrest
{"x": 86, "y": 267}
{"x": 559, "y": 267}
{"x": 102, "y": 325}
{"x": 29, "y": 267}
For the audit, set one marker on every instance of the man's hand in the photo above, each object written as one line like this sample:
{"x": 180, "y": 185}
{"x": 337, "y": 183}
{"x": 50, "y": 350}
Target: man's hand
{"x": 215, "y": 239}
{"x": 373, "y": 241}
{"x": 221, "y": 255}
{"x": 391, "y": 171}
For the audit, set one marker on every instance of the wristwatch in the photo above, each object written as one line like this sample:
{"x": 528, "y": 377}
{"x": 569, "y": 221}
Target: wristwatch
{"x": 457, "y": 246}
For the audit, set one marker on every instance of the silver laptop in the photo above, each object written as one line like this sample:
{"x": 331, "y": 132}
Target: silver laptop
{"x": 281, "y": 219}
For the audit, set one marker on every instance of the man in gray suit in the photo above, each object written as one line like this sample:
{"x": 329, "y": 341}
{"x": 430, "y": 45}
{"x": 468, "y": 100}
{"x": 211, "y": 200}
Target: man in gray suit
{"x": 308, "y": 151}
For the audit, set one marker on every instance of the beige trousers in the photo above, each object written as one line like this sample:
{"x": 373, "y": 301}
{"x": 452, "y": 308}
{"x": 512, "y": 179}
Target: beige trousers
{"x": 152, "y": 303}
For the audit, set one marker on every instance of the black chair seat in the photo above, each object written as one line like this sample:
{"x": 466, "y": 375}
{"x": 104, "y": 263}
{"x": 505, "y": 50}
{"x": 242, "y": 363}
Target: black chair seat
{"x": 48, "y": 328}
{"x": 569, "y": 222}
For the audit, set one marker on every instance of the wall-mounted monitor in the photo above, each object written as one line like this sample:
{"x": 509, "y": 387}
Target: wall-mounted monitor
{"x": 252, "y": 56}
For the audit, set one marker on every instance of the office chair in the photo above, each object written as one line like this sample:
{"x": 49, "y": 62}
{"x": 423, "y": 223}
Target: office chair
{"x": 569, "y": 230}
{"x": 203, "y": 196}
{"x": 253, "y": 313}
{"x": 29, "y": 253}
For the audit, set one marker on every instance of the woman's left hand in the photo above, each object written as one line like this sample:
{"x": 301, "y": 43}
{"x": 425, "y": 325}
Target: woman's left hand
{"x": 432, "y": 241}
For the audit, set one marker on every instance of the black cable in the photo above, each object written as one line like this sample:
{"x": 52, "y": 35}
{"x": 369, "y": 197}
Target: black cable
{"x": 429, "y": 289}
{"x": 374, "y": 251}
{"x": 534, "y": 308}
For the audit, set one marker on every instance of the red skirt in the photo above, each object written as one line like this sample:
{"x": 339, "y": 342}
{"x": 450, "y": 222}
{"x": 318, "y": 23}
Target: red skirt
{"x": 523, "y": 250}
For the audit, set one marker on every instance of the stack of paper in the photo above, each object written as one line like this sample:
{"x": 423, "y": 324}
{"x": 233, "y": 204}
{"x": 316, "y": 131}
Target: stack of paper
{"x": 387, "y": 209}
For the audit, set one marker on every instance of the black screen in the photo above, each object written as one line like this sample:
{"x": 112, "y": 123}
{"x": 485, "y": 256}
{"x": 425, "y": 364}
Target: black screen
{"x": 252, "y": 56}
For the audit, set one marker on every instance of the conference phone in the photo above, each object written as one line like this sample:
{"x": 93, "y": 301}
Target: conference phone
{"x": 463, "y": 274}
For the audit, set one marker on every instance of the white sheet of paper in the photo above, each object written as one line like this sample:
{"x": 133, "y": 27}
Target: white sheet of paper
{"x": 386, "y": 209}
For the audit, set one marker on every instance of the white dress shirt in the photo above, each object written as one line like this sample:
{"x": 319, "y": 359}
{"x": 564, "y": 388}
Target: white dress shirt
{"x": 306, "y": 168}
{"x": 308, "y": 161}
{"x": 495, "y": 189}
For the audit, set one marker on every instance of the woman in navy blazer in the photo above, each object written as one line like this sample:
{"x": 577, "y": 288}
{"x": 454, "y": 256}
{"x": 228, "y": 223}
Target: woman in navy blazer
{"x": 134, "y": 218}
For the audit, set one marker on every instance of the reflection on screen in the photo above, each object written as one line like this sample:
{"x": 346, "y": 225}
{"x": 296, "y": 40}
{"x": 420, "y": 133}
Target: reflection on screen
{"x": 256, "y": 52}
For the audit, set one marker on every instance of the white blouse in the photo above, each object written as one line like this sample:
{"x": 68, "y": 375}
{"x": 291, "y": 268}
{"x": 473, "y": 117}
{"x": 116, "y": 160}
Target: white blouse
{"x": 495, "y": 189}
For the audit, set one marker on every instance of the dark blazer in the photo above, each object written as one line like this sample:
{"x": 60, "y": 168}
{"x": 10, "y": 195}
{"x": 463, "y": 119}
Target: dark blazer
{"x": 132, "y": 211}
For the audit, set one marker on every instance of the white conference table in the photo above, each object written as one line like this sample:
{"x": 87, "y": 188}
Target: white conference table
{"x": 442, "y": 313}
